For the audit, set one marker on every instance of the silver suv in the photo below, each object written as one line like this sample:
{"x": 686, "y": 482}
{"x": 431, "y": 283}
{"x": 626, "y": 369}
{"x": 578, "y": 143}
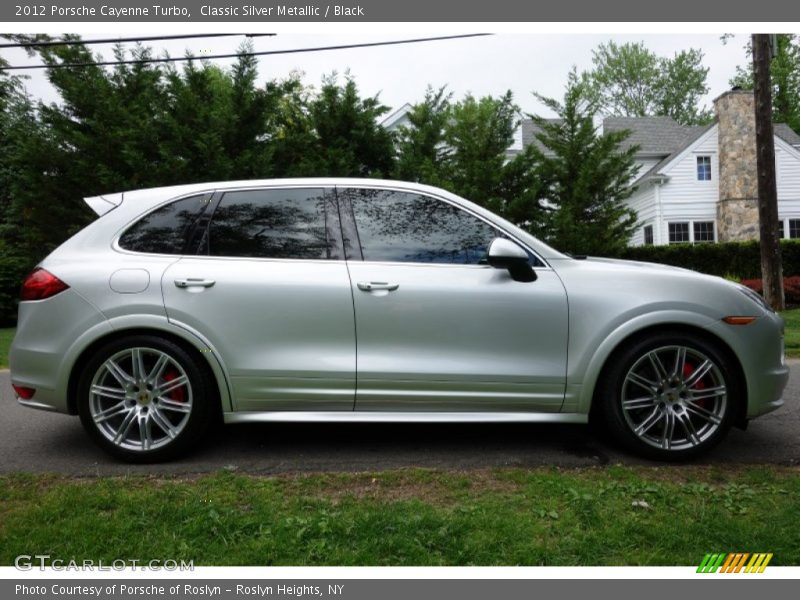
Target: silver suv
{"x": 365, "y": 300}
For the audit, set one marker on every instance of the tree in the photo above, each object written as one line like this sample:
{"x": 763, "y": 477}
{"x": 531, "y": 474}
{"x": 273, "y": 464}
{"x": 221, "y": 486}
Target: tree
{"x": 586, "y": 176}
{"x": 785, "y": 74}
{"x": 632, "y": 81}
{"x": 421, "y": 147}
{"x": 349, "y": 140}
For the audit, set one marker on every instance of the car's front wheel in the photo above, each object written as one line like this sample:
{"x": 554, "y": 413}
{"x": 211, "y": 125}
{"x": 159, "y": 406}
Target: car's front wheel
{"x": 670, "y": 397}
{"x": 144, "y": 399}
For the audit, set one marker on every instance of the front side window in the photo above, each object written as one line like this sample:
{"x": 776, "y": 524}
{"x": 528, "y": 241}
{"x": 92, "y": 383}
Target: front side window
{"x": 406, "y": 227}
{"x": 704, "y": 168}
{"x": 704, "y": 231}
{"x": 678, "y": 233}
{"x": 166, "y": 230}
{"x": 287, "y": 223}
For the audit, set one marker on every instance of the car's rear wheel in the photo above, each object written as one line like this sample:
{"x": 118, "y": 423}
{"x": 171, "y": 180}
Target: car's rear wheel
{"x": 670, "y": 397}
{"x": 144, "y": 399}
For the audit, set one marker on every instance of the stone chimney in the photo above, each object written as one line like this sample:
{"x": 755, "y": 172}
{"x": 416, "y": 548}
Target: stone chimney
{"x": 737, "y": 209}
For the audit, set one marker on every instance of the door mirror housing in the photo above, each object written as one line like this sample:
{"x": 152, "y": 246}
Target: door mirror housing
{"x": 505, "y": 254}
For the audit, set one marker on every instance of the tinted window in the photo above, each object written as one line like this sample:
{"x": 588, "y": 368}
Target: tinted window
{"x": 405, "y": 227}
{"x": 270, "y": 224}
{"x": 166, "y": 230}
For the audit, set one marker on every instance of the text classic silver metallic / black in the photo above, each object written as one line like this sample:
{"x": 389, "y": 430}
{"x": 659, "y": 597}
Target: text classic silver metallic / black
{"x": 365, "y": 300}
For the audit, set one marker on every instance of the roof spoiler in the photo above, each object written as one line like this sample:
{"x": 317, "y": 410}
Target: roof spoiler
{"x": 103, "y": 204}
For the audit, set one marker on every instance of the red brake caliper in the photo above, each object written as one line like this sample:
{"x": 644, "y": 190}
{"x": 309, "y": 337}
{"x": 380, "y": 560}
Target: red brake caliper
{"x": 700, "y": 385}
{"x": 178, "y": 394}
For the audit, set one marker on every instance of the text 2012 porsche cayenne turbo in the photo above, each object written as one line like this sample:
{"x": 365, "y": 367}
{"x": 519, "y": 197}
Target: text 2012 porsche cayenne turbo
{"x": 365, "y": 300}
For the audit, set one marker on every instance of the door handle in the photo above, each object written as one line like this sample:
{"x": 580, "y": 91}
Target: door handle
{"x": 193, "y": 282}
{"x": 372, "y": 286}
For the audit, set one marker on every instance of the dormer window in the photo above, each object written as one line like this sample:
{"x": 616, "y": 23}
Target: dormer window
{"x": 703, "y": 168}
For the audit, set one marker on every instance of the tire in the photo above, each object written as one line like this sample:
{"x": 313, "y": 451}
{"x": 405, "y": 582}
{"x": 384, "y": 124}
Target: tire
{"x": 148, "y": 413}
{"x": 669, "y": 397}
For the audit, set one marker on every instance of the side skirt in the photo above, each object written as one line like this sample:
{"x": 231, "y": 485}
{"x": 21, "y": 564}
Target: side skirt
{"x": 401, "y": 417}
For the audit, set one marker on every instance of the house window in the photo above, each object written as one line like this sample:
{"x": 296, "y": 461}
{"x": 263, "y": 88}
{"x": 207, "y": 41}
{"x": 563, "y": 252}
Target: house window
{"x": 679, "y": 233}
{"x": 703, "y": 168}
{"x": 780, "y": 230}
{"x": 794, "y": 229}
{"x": 703, "y": 231}
{"x": 648, "y": 235}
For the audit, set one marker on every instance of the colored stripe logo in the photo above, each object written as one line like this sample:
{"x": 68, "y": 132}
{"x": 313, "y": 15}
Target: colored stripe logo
{"x": 735, "y": 562}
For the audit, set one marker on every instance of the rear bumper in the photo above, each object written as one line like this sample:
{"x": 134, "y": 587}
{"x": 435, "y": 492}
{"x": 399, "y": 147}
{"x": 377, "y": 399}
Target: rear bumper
{"x": 46, "y": 345}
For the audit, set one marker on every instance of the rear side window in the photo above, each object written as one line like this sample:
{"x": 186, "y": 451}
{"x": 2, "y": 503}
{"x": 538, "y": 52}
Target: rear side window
{"x": 270, "y": 224}
{"x": 166, "y": 230}
{"x": 406, "y": 227}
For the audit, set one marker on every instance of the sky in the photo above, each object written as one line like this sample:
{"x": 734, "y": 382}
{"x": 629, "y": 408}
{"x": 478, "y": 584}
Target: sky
{"x": 482, "y": 66}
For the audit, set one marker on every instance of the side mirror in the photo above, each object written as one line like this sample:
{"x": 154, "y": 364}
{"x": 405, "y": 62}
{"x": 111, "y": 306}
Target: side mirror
{"x": 505, "y": 254}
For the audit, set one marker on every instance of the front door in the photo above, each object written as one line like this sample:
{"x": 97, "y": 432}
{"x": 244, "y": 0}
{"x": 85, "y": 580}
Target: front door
{"x": 437, "y": 328}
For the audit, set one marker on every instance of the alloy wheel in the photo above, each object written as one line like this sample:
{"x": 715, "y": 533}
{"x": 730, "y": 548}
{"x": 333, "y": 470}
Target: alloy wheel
{"x": 674, "y": 398}
{"x": 140, "y": 399}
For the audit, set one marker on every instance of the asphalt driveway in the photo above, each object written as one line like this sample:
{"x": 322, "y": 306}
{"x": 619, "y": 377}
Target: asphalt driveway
{"x": 37, "y": 441}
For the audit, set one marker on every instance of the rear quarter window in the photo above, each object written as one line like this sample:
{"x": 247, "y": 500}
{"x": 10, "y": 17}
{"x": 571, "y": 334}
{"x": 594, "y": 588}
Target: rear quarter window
{"x": 166, "y": 230}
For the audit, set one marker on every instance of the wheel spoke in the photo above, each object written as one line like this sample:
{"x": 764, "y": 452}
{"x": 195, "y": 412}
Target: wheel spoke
{"x": 698, "y": 374}
{"x": 118, "y": 372}
{"x": 658, "y": 366}
{"x": 637, "y": 403}
{"x": 125, "y": 426}
{"x": 669, "y": 429}
{"x": 648, "y": 423}
{"x": 145, "y": 435}
{"x": 707, "y": 393}
{"x": 108, "y": 392}
{"x": 137, "y": 361}
{"x": 167, "y": 404}
{"x": 643, "y": 382}
{"x": 158, "y": 369}
{"x": 680, "y": 362}
{"x": 686, "y": 422}
{"x": 111, "y": 412}
{"x": 172, "y": 384}
{"x": 163, "y": 423}
{"x": 703, "y": 413}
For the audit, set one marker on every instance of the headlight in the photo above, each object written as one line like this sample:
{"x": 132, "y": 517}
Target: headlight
{"x": 755, "y": 297}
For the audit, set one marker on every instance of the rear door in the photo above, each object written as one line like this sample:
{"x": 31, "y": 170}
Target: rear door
{"x": 270, "y": 291}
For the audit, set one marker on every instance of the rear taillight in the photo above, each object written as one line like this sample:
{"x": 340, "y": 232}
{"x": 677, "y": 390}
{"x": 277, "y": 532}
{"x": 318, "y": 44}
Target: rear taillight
{"x": 26, "y": 393}
{"x": 41, "y": 284}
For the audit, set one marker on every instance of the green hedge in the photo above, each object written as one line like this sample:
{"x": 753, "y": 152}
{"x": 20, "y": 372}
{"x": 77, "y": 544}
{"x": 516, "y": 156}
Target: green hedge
{"x": 734, "y": 259}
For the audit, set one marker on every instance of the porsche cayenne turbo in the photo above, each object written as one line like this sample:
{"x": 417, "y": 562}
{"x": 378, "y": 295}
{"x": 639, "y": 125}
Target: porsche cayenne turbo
{"x": 347, "y": 300}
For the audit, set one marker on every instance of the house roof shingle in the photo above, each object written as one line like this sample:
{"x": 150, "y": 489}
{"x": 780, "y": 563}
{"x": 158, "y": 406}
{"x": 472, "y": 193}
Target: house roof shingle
{"x": 787, "y": 134}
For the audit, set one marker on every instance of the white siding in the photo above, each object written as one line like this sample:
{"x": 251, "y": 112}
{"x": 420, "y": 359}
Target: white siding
{"x": 645, "y": 164}
{"x": 685, "y": 198}
{"x": 787, "y": 166}
{"x": 643, "y": 203}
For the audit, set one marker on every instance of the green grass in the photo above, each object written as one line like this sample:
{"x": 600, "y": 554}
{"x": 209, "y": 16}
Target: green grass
{"x": 792, "y": 335}
{"x": 6, "y": 335}
{"x": 609, "y": 516}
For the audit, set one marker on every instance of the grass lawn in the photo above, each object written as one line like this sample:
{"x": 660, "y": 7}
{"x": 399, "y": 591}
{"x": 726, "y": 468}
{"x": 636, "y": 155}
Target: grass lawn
{"x": 792, "y": 339}
{"x": 6, "y": 335}
{"x": 606, "y": 516}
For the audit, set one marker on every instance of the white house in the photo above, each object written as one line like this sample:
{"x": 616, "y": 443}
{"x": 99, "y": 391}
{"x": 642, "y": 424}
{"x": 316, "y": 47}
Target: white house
{"x": 695, "y": 184}
{"x": 699, "y": 184}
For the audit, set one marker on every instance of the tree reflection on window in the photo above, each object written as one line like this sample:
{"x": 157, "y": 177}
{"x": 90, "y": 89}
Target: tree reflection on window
{"x": 404, "y": 227}
{"x": 164, "y": 231}
{"x": 270, "y": 224}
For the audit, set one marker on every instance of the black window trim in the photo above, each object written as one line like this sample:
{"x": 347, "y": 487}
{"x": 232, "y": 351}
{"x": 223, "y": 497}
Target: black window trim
{"x": 350, "y": 231}
{"x": 332, "y": 221}
{"x": 115, "y": 245}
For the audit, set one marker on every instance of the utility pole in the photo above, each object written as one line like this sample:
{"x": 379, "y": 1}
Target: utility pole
{"x": 771, "y": 267}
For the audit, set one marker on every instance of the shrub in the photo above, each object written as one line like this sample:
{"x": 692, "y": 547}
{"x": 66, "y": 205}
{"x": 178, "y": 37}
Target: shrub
{"x": 791, "y": 288}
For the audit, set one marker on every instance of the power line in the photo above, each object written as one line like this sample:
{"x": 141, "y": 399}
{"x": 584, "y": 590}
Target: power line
{"x": 169, "y": 59}
{"x": 45, "y": 44}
